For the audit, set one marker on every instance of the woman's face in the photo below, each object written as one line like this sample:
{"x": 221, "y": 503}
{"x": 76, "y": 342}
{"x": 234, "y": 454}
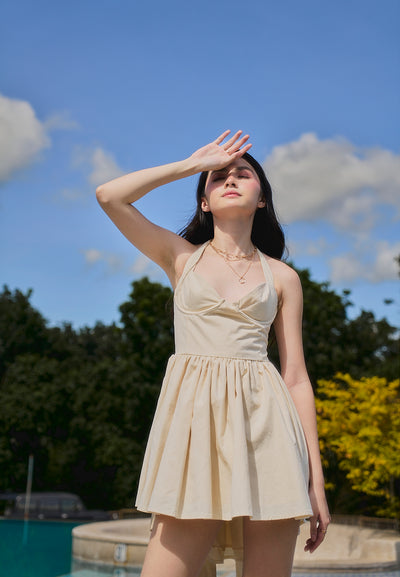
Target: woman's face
{"x": 235, "y": 186}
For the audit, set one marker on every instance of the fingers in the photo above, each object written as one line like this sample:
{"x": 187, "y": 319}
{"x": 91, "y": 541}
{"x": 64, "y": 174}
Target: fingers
{"x": 236, "y": 146}
{"x": 229, "y": 143}
{"x": 235, "y": 143}
{"x": 240, "y": 152}
{"x": 222, "y": 137}
{"x": 318, "y": 532}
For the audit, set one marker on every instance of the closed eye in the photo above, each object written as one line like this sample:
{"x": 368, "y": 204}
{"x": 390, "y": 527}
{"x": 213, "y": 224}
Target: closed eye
{"x": 242, "y": 173}
{"x": 245, "y": 172}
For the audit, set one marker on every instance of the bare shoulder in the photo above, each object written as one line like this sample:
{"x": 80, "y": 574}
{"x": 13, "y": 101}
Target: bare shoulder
{"x": 281, "y": 269}
{"x": 285, "y": 277}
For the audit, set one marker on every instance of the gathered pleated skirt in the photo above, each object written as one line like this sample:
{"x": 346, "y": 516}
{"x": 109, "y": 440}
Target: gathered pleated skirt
{"x": 226, "y": 442}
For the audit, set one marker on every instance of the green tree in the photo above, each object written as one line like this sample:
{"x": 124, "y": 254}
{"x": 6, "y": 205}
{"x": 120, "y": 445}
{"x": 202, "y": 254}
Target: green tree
{"x": 82, "y": 401}
{"x": 147, "y": 325}
{"x": 359, "y": 422}
{"x": 22, "y": 328}
{"x": 34, "y": 401}
{"x": 371, "y": 347}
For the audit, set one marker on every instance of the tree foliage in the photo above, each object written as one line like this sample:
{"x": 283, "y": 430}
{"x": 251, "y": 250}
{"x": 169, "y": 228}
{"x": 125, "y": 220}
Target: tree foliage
{"x": 359, "y": 421}
{"x": 81, "y": 401}
{"x": 22, "y": 328}
{"x": 148, "y": 327}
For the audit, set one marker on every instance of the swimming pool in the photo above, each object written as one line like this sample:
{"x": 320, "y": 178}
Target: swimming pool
{"x": 35, "y": 549}
{"x": 43, "y": 549}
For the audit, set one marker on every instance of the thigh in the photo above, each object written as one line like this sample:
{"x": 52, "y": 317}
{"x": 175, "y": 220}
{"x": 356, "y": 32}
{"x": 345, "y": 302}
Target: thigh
{"x": 269, "y": 547}
{"x": 178, "y": 547}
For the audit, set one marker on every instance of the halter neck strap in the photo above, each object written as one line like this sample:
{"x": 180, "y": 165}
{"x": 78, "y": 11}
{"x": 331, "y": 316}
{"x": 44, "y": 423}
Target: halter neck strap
{"x": 192, "y": 261}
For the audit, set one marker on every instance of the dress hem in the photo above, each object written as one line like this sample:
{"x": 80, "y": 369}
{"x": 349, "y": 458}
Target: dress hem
{"x": 273, "y": 517}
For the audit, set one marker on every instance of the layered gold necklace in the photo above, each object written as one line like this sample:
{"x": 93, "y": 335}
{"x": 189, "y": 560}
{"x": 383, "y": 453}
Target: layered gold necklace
{"x": 228, "y": 257}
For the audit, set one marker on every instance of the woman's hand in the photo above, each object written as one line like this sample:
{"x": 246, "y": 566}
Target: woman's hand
{"x": 216, "y": 155}
{"x": 319, "y": 521}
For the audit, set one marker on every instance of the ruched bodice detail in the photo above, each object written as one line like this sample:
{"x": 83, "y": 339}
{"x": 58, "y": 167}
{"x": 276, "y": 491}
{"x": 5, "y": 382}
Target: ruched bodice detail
{"x": 226, "y": 440}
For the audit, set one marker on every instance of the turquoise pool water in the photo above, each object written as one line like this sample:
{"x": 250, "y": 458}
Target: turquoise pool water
{"x": 36, "y": 549}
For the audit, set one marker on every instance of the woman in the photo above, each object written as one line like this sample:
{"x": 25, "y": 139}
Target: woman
{"x": 230, "y": 439}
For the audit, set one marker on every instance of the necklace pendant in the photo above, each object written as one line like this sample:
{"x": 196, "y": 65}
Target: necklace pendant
{"x": 242, "y": 280}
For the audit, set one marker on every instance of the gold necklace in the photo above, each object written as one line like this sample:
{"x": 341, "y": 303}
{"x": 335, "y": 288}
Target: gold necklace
{"x": 226, "y": 258}
{"x": 233, "y": 257}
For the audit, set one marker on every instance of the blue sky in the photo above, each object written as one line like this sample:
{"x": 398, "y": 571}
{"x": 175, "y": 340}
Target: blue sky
{"x": 90, "y": 90}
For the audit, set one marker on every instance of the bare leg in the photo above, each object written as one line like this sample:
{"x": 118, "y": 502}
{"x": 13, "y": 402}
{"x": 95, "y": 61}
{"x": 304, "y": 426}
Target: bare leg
{"x": 269, "y": 547}
{"x": 178, "y": 547}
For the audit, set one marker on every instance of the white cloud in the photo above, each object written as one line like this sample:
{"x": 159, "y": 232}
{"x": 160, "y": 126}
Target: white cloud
{"x": 312, "y": 248}
{"x": 99, "y": 165}
{"x": 60, "y": 121}
{"x": 113, "y": 262}
{"x": 381, "y": 267}
{"x": 92, "y": 255}
{"x": 104, "y": 167}
{"x": 385, "y": 266}
{"x": 22, "y": 136}
{"x": 346, "y": 267}
{"x": 333, "y": 180}
{"x": 143, "y": 266}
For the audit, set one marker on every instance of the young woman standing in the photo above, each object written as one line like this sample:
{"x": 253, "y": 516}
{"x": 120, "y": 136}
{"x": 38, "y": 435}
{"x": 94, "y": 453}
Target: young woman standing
{"x": 232, "y": 440}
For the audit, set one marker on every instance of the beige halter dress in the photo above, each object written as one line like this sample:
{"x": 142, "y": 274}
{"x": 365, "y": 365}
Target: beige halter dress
{"x": 226, "y": 440}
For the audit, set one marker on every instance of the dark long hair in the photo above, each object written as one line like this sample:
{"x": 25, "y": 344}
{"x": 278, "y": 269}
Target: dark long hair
{"x": 267, "y": 234}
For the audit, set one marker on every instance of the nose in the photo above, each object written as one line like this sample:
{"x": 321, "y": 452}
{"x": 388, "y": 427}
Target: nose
{"x": 230, "y": 180}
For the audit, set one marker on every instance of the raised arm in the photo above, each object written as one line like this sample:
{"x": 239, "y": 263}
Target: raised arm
{"x": 288, "y": 330}
{"x": 160, "y": 245}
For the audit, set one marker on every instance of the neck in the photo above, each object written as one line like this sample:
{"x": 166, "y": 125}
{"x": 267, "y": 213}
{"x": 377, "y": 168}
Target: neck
{"x": 233, "y": 237}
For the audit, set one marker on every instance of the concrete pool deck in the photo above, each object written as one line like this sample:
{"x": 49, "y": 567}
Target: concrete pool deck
{"x": 123, "y": 544}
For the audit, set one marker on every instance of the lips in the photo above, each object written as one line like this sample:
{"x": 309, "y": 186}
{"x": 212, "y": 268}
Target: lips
{"x": 231, "y": 193}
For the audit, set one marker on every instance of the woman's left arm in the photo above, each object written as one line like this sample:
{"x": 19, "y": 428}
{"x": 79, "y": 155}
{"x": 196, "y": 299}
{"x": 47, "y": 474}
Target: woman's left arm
{"x": 288, "y": 330}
